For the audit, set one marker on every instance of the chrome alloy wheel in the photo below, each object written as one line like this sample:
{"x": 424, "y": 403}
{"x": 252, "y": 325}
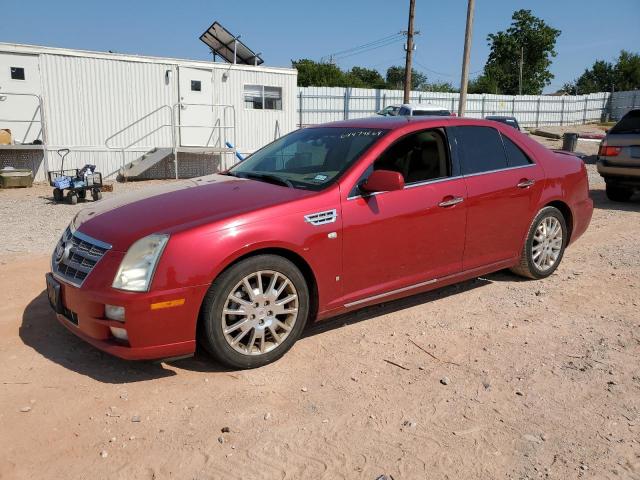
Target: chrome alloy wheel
{"x": 547, "y": 243}
{"x": 260, "y": 312}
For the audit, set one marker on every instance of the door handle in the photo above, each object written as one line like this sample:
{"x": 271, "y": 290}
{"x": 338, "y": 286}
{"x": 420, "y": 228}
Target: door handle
{"x": 526, "y": 183}
{"x": 451, "y": 201}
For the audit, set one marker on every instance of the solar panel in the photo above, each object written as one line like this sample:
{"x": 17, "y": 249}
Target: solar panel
{"x": 223, "y": 43}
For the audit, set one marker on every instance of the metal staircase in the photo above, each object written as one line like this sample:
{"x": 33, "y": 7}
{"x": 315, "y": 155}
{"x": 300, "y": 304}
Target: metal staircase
{"x": 144, "y": 162}
{"x": 216, "y": 144}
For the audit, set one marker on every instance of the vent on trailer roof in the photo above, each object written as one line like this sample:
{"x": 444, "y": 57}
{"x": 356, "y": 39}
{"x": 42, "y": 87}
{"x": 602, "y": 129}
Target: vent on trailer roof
{"x": 228, "y": 46}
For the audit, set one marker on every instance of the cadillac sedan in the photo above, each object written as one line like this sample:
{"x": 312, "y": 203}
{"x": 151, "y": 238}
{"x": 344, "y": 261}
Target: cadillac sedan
{"x": 320, "y": 222}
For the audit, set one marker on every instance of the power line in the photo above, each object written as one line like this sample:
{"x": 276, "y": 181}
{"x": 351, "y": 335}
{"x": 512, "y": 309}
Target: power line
{"x": 375, "y": 47}
{"x": 381, "y": 42}
{"x": 424, "y": 67}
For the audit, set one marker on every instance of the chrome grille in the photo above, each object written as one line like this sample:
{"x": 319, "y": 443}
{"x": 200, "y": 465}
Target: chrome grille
{"x": 76, "y": 254}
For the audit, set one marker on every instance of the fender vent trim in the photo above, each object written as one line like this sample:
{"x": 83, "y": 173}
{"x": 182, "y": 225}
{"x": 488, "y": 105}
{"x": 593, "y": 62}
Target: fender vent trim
{"x": 322, "y": 218}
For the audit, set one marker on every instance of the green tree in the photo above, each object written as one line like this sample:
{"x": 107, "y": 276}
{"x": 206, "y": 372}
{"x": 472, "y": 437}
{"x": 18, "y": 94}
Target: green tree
{"x": 365, "y": 78}
{"x": 395, "y": 78}
{"x": 536, "y": 40}
{"x": 482, "y": 84}
{"x": 604, "y": 76}
{"x": 311, "y": 73}
{"x": 440, "y": 87}
{"x": 627, "y": 71}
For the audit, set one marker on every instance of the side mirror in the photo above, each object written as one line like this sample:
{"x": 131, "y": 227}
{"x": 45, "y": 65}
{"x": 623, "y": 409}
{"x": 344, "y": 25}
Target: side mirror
{"x": 383, "y": 181}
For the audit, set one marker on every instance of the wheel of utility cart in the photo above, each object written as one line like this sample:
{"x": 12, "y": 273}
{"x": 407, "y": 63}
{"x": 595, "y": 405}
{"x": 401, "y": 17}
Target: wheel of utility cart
{"x": 82, "y": 194}
{"x": 96, "y": 195}
{"x": 72, "y": 198}
{"x": 58, "y": 195}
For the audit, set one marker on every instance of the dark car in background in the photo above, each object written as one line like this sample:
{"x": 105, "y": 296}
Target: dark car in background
{"x": 619, "y": 157}
{"x": 511, "y": 121}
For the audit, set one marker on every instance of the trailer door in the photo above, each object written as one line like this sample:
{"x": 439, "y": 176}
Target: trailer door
{"x": 196, "y": 116}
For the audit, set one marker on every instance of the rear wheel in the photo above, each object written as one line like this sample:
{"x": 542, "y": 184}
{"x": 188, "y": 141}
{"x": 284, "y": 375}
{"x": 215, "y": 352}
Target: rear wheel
{"x": 96, "y": 195}
{"x": 82, "y": 194}
{"x": 544, "y": 247}
{"x": 254, "y": 311}
{"x": 72, "y": 198}
{"x": 618, "y": 194}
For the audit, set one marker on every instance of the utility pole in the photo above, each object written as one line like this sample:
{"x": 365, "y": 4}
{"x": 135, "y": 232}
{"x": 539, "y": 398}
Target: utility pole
{"x": 521, "y": 65}
{"x": 462, "y": 104}
{"x": 409, "y": 47}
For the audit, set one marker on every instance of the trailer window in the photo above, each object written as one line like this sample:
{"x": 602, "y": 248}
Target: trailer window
{"x": 260, "y": 97}
{"x": 17, "y": 73}
{"x": 196, "y": 86}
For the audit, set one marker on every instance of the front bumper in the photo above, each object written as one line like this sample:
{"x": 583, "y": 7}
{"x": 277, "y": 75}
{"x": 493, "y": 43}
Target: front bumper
{"x": 152, "y": 333}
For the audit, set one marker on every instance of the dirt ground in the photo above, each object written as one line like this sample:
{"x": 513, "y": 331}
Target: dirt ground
{"x": 493, "y": 378}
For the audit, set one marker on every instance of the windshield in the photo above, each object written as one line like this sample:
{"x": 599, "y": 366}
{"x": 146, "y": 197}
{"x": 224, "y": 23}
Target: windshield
{"x": 630, "y": 123}
{"x": 309, "y": 158}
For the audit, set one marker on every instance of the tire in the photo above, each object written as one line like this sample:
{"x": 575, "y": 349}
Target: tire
{"x": 96, "y": 195}
{"x": 72, "y": 198}
{"x": 58, "y": 195}
{"x": 262, "y": 329}
{"x": 82, "y": 194}
{"x": 535, "y": 267}
{"x": 618, "y": 194}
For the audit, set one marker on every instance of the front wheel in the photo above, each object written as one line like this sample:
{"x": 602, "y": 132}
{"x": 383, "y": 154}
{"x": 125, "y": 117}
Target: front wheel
{"x": 254, "y": 311}
{"x": 544, "y": 246}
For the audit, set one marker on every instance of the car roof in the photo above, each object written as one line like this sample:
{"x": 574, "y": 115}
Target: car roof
{"x": 494, "y": 117}
{"x": 395, "y": 122}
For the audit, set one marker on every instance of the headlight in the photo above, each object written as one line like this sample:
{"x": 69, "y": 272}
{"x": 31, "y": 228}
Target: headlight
{"x": 137, "y": 267}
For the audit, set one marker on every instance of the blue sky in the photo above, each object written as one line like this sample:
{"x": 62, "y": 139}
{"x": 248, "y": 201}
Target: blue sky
{"x": 286, "y": 29}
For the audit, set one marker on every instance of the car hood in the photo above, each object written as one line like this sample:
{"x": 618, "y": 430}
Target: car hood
{"x": 173, "y": 207}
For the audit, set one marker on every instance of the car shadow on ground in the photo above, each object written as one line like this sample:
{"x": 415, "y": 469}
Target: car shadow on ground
{"x": 601, "y": 201}
{"x": 41, "y": 331}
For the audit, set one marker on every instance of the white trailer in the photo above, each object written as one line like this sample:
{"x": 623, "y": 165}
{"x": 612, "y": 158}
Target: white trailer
{"x": 136, "y": 115}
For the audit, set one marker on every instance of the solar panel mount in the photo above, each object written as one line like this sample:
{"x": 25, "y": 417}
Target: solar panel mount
{"x": 228, "y": 46}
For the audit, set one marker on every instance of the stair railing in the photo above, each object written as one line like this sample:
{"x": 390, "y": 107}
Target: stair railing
{"x": 124, "y": 147}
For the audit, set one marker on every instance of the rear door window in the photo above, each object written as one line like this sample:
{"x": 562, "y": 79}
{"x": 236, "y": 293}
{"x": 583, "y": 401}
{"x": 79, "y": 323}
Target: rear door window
{"x": 515, "y": 156}
{"x": 481, "y": 149}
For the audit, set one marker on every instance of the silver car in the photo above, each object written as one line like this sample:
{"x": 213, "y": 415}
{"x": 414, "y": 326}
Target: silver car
{"x": 619, "y": 157}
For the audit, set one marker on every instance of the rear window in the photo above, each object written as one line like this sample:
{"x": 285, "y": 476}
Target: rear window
{"x": 482, "y": 149}
{"x": 630, "y": 123}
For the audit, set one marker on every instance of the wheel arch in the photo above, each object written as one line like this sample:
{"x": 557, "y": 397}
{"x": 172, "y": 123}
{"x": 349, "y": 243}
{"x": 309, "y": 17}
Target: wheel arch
{"x": 566, "y": 213}
{"x": 300, "y": 262}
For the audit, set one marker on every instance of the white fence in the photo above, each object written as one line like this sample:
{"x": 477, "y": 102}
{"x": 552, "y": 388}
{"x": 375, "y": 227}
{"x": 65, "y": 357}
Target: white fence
{"x": 326, "y": 104}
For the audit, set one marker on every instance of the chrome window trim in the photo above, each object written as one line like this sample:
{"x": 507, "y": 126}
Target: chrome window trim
{"x": 444, "y": 179}
{"x": 498, "y": 170}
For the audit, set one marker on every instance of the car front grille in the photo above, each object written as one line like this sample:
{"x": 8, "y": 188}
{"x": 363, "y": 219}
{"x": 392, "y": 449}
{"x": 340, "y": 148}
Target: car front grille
{"x": 75, "y": 256}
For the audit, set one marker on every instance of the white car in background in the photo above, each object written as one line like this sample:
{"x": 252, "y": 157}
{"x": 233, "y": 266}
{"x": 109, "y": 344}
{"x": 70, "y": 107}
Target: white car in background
{"x": 415, "y": 110}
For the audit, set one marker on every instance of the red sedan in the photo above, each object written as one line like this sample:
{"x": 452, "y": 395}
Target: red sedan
{"x": 322, "y": 221}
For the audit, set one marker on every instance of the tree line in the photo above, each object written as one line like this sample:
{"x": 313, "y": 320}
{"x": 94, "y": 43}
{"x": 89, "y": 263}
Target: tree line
{"x": 528, "y": 45}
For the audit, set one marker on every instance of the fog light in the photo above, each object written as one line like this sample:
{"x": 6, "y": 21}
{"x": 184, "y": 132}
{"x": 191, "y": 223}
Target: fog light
{"x": 119, "y": 333}
{"x": 113, "y": 312}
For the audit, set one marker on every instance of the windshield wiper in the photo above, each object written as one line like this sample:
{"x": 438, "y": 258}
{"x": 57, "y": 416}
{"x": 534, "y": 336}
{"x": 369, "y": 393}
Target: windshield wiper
{"x": 269, "y": 177}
